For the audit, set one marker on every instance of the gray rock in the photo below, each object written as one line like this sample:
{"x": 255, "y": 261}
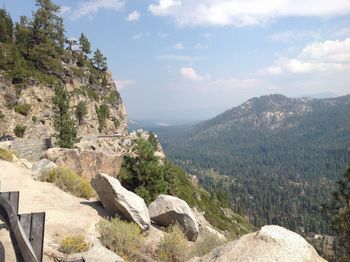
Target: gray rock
{"x": 271, "y": 243}
{"x": 118, "y": 200}
{"x": 167, "y": 210}
{"x": 42, "y": 166}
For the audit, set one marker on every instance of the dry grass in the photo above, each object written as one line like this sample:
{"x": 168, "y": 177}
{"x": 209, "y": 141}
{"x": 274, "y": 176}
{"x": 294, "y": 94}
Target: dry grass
{"x": 173, "y": 247}
{"x": 6, "y": 155}
{"x": 69, "y": 181}
{"x": 74, "y": 244}
{"x": 123, "y": 238}
{"x": 207, "y": 243}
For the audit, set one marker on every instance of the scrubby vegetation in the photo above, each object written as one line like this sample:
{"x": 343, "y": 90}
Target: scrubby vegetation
{"x": 22, "y": 109}
{"x": 6, "y": 154}
{"x": 122, "y": 237}
{"x": 147, "y": 178}
{"x": 19, "y": 130}
{"x": 81, "y": 111}
{"x": 102, "y": 115}
{"x": 69, "y": 181}
{"x": 74, "y": 244}
{"x": 207, "y": 243}
{"x": 173, "y": 247}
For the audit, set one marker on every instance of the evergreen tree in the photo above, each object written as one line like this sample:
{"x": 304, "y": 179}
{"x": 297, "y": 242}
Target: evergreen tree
{"x": 6, "y": 26}
{"x": 62, "y": 119}
{"x": 47, "y": 36}
{"x": 70, "y": 43}
{"x": 80, "y": 112}
{"x": 341, "y": 217}
{"x": 99, "y": 60}
{"x": 84, "y": 44}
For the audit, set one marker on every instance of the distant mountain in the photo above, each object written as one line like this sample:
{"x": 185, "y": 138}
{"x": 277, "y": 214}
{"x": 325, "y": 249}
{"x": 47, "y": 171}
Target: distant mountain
{"x": 278, "y": 157}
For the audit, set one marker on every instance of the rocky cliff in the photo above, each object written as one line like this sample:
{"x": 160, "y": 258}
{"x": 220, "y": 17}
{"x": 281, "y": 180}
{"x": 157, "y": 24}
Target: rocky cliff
{"x": 31, "y": 105}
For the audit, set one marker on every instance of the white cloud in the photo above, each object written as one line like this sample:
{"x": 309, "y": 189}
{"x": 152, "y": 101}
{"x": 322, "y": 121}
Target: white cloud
{"x": 64, "y": 9}
{"x": 292, "y": 36}
{"x": 178, "y": 58}
{"x": 244, "y": 13}
{"x": 134, "y": 16}
{"x": 88, "y": 8}
{"x": 179, "y": 46}
{"x": 122, "y": 84}
{"x": 137, "y": 36}
{"x": 189, "y": 73}
{"x": 327, "y": 56}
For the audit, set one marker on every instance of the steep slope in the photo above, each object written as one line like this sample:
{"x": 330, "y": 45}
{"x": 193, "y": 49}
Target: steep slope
{"x": 279, "y": 156}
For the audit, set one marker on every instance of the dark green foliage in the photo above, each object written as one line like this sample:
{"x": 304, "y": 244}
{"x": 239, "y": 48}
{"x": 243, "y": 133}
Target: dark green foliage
{"x": 70, "y": 43}
{"x": 116, "y": 122}
{"x": 99, "y": 60}
{"x": 341, "y": 217}
{"x": 102, "y": 115}
{"x": 81, "y": 111}
{"x": 63, "y": 121}
{"x": 280, "y": 176}
{"x": 84, "y": 44}
{"x": 6, "y": 27}
{"x": 143, "y": 174}
{"x": 11, "y": 99}
{"x": 19, "y": 130}
{"x": 2, "y": 116}
{"x": 34, "y": 119}
{"x": 113, "y": 97}
{"x": 22, "y": 109}
{"x": 90, "y": 92}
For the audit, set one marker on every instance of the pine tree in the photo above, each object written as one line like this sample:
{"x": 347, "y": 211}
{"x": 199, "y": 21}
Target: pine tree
{"x": 99, "y": 60}
{"x": 341, "y": 217}
{"x": 84, "y": 44}
{"x": 47, "y": 41}
{"x": 63, "y": 121}
{"x": 6, "y": 26}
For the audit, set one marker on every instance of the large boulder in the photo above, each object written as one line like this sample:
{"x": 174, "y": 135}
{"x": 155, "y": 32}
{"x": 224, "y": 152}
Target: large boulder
{"x": 41, "y": 167}
{"x": 86, "y": 163}
{"x": 118, "y": 200}
{"x": 166, "y": 210}
{"x": 271, "y": 243}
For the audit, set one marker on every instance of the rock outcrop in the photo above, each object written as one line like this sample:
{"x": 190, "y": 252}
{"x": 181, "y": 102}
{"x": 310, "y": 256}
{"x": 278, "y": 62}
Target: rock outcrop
{"x": 271, "y": 243}
{"x": 118, "y": 200}
{"x": 205, "y": 227}
{"x": 166, "y": 210}
{"x": 42, "y": 166}
{"x": 86, "y": 163}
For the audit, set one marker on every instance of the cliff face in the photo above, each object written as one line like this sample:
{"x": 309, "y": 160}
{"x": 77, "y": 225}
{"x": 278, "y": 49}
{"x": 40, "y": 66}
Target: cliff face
{"x": 31, "y": 105}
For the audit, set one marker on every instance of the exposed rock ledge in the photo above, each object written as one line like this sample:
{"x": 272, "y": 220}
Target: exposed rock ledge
{"x": 271, "y": 243}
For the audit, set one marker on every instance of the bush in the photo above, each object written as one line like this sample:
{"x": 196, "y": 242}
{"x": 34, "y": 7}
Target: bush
{"x": 113, "y": 97}
{"x": 173, "y": 246}
{"x": 6, "y": 155}
{"x": 2, "y": 116}
{"x": 22, "y": 109}
{"x": 19, "y": 130}
{"x": 81, "y": 111}
{"x": 69, "y": 181}
{"x": 121, "y": 237}
{"x": 34, "y": 119}
{"x": 73, "y": 244}
{"x": 207, "y": 243}
{"x": 116, "y": 122}
{"x": 102, "y": 115}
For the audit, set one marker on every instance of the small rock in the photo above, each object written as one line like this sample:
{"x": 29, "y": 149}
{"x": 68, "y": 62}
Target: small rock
{"x": 43, "y": 165}
{"x": 118, "y": 200}
{"x": 166, "y": 210}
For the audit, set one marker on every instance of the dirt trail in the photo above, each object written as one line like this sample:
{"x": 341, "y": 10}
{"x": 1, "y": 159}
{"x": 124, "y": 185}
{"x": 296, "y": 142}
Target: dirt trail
{"x": 65, "y": 214}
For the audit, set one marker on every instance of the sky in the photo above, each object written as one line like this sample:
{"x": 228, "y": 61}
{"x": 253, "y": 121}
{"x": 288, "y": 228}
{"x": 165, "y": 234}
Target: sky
{"x": 181, "y": 60}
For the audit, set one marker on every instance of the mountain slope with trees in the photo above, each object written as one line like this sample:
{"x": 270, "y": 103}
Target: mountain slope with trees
{"x": 277, "y": 157}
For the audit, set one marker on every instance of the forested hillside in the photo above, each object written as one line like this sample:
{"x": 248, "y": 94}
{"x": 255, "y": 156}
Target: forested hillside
{"x": 277, "y": 157}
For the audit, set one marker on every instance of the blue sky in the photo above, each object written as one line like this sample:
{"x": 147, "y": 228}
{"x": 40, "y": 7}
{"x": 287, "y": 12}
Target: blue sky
{"x": 192, "y": 59}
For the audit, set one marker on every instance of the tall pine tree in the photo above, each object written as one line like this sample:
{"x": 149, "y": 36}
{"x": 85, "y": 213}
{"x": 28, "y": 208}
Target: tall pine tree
{"x": 63, "y": 121}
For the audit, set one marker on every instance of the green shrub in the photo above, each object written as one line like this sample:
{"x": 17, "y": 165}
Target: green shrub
{"x": 102, "y": 115}
{"x": 207, "y": 243}
{"x": 6, "y": 155}
{"x": 19, "y": 130}
{"x": 173, "y": 247}
{"x": 34, "y": 119}
{"x": 113, "y": 97}
{"x": 2, "y": 116}
{"x": 22, "y": 109}
{"x": 116, "y": 122}
{"x": 81, "y": 111}
{"x": 73, "y": 244}
{"x": 121, "y": 237}
{"x": 91, "y": 93}
{"x": 69, "y": 181}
